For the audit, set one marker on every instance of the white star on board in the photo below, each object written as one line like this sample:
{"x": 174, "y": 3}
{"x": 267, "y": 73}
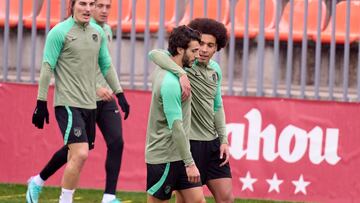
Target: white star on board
{"x": 274, "y": 183}
{"x": 300, "y": 185}
{"x": 248, "y": 182}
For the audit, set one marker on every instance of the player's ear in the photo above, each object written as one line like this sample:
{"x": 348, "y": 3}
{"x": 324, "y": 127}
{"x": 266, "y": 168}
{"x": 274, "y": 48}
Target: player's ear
{"x": 180, "y": 50}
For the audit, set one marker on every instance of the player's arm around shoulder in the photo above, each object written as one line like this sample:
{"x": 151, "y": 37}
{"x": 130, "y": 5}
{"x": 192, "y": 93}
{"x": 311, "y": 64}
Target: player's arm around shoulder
{"x": 162, "y": 58}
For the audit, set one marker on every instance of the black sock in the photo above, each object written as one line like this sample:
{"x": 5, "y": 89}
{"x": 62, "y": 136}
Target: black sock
{"x": 112, "y": 165}
{"x": 56, "y": 162}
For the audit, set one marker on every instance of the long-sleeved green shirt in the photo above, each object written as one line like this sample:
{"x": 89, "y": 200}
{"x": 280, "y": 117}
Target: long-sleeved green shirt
{"x": 74, "y": 52}
{"x": 100, "y": 80}
{"x": 207, "y": 112}
{"x": 169, "y": 121}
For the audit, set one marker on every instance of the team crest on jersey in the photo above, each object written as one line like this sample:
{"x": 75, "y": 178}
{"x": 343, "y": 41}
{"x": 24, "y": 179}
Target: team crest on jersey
{"x": 77, "y": 132}
{"x": 95, "y": 37}
{"x": 167, "y": 189}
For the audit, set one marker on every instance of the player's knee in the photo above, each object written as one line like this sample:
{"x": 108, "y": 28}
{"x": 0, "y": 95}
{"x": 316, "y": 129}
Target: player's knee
{"x": 231, "y": 198}
{"x": 226, "y": 197}
{"x": 80, "y": 156}
{"x": 62, "y": 154}
{"x": 117, "y": 144}
{"x": 201, "y": 200}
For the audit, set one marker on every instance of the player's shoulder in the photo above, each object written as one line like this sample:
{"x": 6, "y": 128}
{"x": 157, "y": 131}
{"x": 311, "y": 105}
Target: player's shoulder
{"x": 108, "y": 31}
{"x": 214, "y": 65}
{"x": 97, "y": 27}
{"x": 61, "y": 29}
{"x": 63, "y": 26}
{"x": 107, "y": 28}
{"x": 169, "y": 80}
{"x": 170, "y": 77}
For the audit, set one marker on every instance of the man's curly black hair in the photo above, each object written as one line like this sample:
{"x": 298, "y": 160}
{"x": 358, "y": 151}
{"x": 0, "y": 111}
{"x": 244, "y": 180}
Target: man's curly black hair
{"x": 211, "y": 27}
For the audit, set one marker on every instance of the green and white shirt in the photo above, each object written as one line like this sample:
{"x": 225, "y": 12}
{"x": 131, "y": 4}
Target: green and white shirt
{"x": 74, "y": 52}
{"x": 207, "y": 112}
{"x": 169, "y": 121}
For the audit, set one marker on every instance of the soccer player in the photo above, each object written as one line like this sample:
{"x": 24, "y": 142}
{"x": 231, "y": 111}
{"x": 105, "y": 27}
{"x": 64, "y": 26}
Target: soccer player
{"x": 108, "y": 120}
{"x": 208, "y": 139}
{"x": 170, "y": 165}
{"x": 74, "y": 51}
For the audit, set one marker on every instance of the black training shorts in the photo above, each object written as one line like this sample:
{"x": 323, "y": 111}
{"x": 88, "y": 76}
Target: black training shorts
{"x": 77, "y": 125}
{"x": 162, "y": 179}
{"x": 206, "y": 155}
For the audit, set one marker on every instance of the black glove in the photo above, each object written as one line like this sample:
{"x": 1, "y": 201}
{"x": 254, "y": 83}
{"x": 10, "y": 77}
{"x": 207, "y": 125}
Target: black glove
{"x": 41, "y": 113}
{"x": 123, "y": 104}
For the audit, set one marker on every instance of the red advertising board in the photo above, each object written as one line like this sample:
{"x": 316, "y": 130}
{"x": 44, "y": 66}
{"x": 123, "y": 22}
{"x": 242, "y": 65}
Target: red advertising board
{"x": 281, "y": 149}
{"x": 294, "y": 149}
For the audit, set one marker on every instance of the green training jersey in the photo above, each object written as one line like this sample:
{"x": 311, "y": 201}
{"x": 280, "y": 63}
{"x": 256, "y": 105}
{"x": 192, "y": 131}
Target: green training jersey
{"x": 169, "y": 121}
{"x": 100, "y": 80}
{"x": 207, "y": 112}
{"x": 72, "y": 52}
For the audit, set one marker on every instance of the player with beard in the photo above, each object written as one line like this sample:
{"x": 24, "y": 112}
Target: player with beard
{"x": 170, "y": 165}
{"x": 208, "y": 138}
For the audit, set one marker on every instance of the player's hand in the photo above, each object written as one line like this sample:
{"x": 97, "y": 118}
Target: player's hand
{"x": 125, "y": 107}
{"x": 224, "y": 154}
{"x": 185, "y": 87}
{"x": 104, "y": 94}
{"x": 193, "y": 173}
{"x": 40, "y": 114}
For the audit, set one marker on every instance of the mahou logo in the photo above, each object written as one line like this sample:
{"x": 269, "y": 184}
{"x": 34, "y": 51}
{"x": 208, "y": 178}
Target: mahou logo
{"x": 291, "y": 144}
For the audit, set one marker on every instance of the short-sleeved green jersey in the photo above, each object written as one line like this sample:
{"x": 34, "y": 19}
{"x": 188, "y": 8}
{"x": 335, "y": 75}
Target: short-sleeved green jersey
{"x": 72, "y": 51}
{"x": 169, "y": 121}
{"x": 100, "y": 80}
{"x": 207, "y": 112}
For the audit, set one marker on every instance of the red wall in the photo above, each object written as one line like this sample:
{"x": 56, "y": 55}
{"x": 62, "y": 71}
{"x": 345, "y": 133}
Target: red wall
{"x": 309, "y": 148}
